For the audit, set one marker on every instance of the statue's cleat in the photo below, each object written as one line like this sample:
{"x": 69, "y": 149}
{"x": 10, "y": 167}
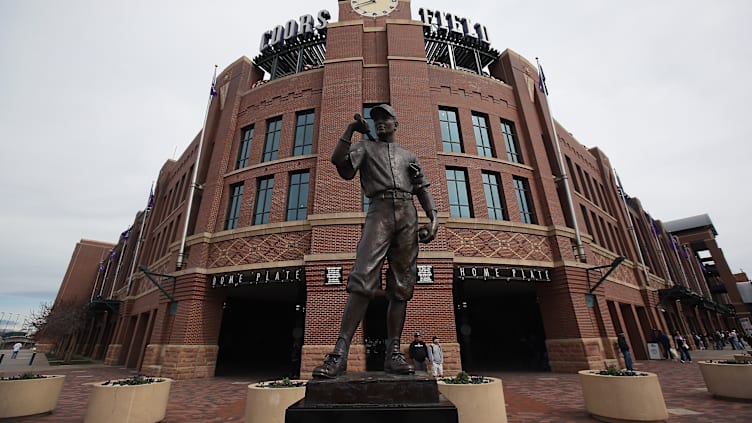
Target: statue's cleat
{"x": 334, "y": 365}
{"x": 396, "y": 364}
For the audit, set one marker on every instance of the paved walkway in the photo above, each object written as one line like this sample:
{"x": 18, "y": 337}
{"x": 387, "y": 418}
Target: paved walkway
{"x": 530, "y": 397}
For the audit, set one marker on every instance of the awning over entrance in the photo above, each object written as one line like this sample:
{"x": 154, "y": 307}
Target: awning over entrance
{"x": 692, "y": 299}
{"x": 101, "y": 304}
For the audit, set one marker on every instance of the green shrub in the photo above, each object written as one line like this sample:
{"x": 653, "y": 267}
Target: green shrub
{"x": 24, "y": 376}
{"x": 133, "y": 380}
{"x": 284, "y": 383}
{"x": 613, "y": 371}
{"x": 463, "y": 378}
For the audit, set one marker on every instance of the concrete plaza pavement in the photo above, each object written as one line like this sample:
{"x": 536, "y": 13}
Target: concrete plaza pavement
{"x": 529, "y": 396}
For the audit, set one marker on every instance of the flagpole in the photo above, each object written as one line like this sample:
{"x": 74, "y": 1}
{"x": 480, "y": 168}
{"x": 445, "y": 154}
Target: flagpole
{"x": 120, "y": 262}
{"x": 631, "y": 228}
{"x": 659, "y": 247}
{"x": 100, "y": 269}
{"x": 580, "y": 255}
{"x": 181, "y": 253}
{"x": 106, "y": 271}
{"x": 140, "y": 239}
{"x": 674, "y": 244}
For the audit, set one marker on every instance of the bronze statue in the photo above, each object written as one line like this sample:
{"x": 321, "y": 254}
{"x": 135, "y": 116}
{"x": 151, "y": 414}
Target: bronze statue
{"x": 389, "y": 175}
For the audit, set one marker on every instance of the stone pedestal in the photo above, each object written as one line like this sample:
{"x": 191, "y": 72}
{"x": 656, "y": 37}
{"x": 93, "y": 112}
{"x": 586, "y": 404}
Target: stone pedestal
{"x": 372, "y": 397}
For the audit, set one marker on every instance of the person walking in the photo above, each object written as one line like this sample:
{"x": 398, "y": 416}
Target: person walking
{"x": 665, "y": 343}
{"x": 734, "y": 339}
{"x": 621, "y": 340}
{"x": 418, "y": 352}
{"x": 682, "y": 347}
{"x": 16, "y": 348}
{"x": 436, "y": 357}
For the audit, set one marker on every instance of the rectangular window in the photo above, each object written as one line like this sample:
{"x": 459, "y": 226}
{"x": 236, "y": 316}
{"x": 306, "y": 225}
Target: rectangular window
{"x": 494, "y": 196}
{"x": 366, "y": 203}
{"x": 524, "y": 202}
{"x": 263, "y": 200}
{"x": 599, "y": 237}
{"x": 303, "y": 133}
{"x": 271, "y": 143}
{"x": 367, "y": 116}
{"x": 482, "y": 137}
{"x": 571, "y": 174}
{"x": 459, "y": 193}
{"x": 510, "y": 141}
{"x": 450, "y": 131}
{"x": 246, "y": 137}
{"x": 297, "y": 196}
{"x": 582, "y": 181}
{"x": 593, "y": 194}
{"x": 233, "y": 209}
{"x": 605, "y": 234}
{"x": 587, "y": 220}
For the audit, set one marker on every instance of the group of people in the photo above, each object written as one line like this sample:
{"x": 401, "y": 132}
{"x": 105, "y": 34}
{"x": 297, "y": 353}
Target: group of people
{"x": 422, "y": 353}
{"x": 720, "y": 338}
{"x": 680, "y": 343}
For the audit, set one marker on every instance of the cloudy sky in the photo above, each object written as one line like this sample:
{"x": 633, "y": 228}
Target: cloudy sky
{"x": 96, "y": 95}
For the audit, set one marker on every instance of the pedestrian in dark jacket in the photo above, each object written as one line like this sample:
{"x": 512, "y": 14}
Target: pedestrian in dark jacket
{"x": 624, "y": 347}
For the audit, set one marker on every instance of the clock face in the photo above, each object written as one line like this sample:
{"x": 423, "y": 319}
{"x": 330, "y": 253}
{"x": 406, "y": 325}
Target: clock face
{"x": 373, "y": 8}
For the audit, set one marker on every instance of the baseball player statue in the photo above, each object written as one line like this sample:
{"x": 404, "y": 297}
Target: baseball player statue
{"x": 390, "y": 176}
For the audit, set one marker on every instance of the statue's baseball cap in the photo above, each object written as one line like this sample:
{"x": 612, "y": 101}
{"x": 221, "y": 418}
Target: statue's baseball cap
{"x": 385, "y": 108}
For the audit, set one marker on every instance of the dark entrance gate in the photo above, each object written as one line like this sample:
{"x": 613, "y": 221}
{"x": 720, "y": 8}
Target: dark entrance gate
{"x": 375, "y": 333}
{"x": 499, "y": 324}
{"x": 262, "y": 331}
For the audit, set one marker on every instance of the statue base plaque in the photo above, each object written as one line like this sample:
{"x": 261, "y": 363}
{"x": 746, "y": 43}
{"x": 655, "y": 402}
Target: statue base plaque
{"x": 372, "y": 397}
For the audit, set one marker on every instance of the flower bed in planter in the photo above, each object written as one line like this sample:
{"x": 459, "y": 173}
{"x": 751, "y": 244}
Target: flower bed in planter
{"x": 623, "y": 396}
{"x": 727, "y": 378}
{"x": 135, "y": 399}
{"x": 29, "y": 394}
{"x": 266, "y": 402}
{"x": 478, "y": 399}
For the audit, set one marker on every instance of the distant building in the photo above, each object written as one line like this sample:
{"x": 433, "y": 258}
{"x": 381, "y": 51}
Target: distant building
{"x": 272, "y": 229}
{"x": 88, "y": 267}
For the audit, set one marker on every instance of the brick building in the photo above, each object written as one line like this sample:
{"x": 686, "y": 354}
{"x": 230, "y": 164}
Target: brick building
{"x": 258, "y": 283}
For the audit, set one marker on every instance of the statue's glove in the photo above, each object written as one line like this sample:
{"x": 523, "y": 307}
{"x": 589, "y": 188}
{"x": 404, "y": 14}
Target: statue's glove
{"x": 427, "y": 232}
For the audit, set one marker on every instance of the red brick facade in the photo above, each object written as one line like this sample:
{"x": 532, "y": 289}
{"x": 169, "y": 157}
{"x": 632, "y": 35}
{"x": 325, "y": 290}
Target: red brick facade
{"x": 371, "y": 61}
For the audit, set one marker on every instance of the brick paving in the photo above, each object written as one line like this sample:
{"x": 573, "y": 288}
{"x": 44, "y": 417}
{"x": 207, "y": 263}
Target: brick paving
{"x": 530, "y": 397}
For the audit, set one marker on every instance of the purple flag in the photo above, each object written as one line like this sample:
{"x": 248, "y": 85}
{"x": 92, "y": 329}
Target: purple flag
{"x": 542, "y": 80}
{"x": 213, "y": 90}
{"x": 150, "y": 204}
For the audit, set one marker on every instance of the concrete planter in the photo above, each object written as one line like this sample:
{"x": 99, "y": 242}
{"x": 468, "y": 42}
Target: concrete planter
{"x": 727, "y": 380}
{"x": 268, "y": 405}
{"x": 481, "y": 403}
{"x": 27, "y": 397}
{"x": 623, "y": 398}
{"x": 128, "y": 403}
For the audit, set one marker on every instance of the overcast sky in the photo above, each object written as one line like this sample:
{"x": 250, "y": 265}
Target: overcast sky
{"x": 96, "y": 95}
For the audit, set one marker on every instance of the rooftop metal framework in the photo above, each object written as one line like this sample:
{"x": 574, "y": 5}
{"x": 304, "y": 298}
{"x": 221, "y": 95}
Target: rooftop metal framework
{"x": 443, "y": 48}
{"x": 293, "y": 56}
{"x": 456, "y": 51}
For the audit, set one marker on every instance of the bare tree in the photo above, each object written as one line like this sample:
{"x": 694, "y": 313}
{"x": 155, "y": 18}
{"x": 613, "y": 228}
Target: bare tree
{"x": 61, "y": 325}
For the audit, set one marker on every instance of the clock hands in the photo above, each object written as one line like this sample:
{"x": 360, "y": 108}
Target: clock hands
{"x": 364, "y": 3}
